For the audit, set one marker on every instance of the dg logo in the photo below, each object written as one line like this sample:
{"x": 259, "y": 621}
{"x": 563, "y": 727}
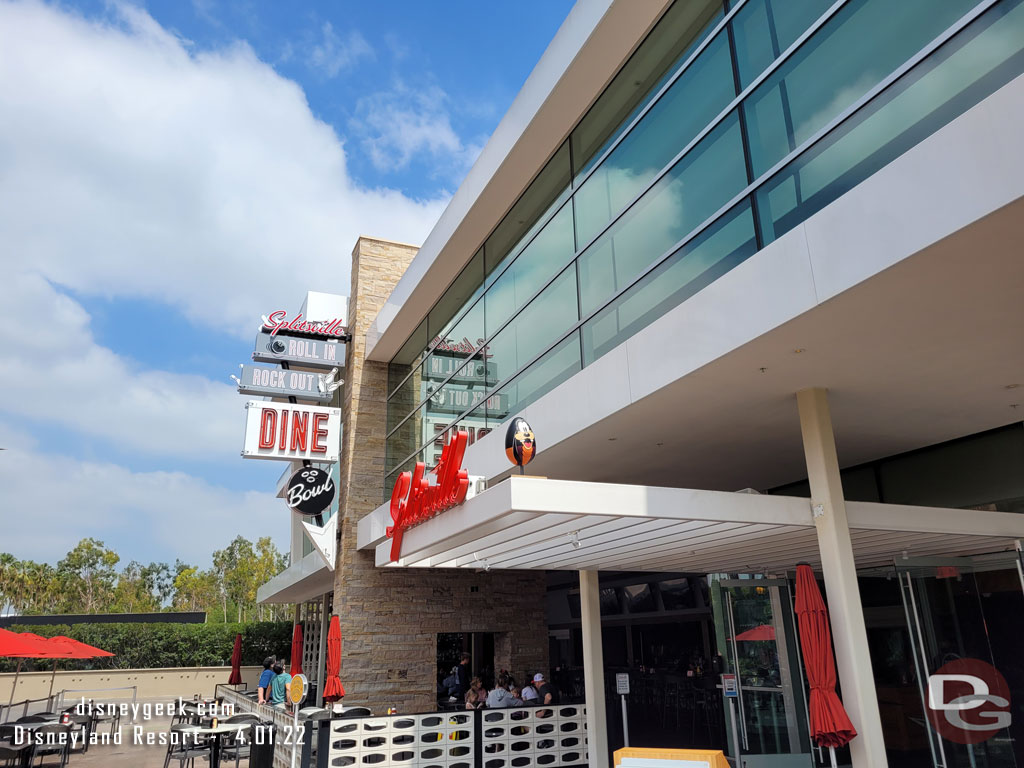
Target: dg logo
{"x": 968, "y": 701}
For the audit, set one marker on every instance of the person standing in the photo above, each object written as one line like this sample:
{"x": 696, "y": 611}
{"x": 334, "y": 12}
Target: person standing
{"x": 280, "y": 686}
{"x": 462, "y": 675}
{"x": 263, "y": 687}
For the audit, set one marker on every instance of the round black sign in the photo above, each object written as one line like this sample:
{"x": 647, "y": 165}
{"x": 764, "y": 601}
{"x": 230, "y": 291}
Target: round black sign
{"x": 310, "y": 491}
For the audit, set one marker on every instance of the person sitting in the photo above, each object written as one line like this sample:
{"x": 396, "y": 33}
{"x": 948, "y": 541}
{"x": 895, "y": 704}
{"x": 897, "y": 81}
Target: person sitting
{"x": 476, "y": 696}
{"x": 529, "y": 694}
{"x": 546, "y": 692}
{"x": 501, "y": 696}
{"x": 280, "y": 686}
{"x": 263, "y": 687}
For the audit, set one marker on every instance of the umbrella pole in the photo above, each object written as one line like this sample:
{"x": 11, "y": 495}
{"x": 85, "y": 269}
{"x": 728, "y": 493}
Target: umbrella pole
{"x": 53, "y": 675}
{"x": 832, "y": 752}
{"x": 14, "y": 686}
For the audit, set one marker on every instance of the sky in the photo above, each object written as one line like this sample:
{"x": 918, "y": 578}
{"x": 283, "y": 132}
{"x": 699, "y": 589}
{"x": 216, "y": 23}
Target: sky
{"x": 170, "y": 171}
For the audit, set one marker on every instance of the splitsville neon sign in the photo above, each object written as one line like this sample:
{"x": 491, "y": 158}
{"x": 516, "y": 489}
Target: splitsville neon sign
{"x": 414, "y": 499}
{"x": 278, "y": 321}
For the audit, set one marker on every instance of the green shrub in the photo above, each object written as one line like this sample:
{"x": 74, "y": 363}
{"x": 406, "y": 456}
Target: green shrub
{"x": 149, "y": 646}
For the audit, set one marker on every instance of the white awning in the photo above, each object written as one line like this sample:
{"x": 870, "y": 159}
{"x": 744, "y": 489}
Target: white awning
{"x": 536, "y": 523}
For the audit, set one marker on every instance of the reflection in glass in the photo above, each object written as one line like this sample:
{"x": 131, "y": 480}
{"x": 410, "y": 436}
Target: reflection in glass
{"x": 700, "y": 93}
{"x": 726, "y": 243}
{"x": 763, "y": 29}
{"x": 704, "y": 180}
{"x": 673, "y": 39}
{"x": 552, "y": 369}
{"x": 835, "y": 68}
{"x": 964, "y": 71}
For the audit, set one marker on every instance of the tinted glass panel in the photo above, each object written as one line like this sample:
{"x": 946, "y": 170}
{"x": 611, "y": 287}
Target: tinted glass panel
{"x": 964, "y": 71}
{"x": 726, "y": 243}
{"x": 763, "y": 29}
{"x": 545, "y": 192}
{"x": 700, "y": 93}
{"x": 836, "y": 67}
{"x": 536, "y": 381}
{"x": 675, "y": 36}
{"x": 547, "y": 253}
{"x": 695, "y": 188}
{"x": 532, "y": 330}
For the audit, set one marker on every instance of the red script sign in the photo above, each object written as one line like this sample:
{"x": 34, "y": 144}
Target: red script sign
{"x": 414, "y": 499}
{"x": 278, "y": 321}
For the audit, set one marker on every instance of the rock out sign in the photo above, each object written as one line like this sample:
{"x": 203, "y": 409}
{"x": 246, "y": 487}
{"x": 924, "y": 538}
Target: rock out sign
{"x": 310, "y": 491}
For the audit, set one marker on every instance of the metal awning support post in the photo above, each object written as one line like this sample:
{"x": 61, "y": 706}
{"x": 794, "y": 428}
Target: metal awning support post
{"x": 593, "y": 669}
{"x": 849, "y": 635}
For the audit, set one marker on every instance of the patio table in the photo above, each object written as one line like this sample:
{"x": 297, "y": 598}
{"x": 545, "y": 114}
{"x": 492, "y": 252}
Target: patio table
{"x": 217, "y": 734}
{"x": 23, "y": 752}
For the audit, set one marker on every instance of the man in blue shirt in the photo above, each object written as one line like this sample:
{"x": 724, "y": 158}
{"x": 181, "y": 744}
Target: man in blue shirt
{"x": 263, "y": 687}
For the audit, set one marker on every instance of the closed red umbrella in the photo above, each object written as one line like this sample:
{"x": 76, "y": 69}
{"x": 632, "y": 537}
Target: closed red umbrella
{"x": 830, "y": 725}
{"x": 236, "y": 662}
{"x": 333, "y": 689}
{"x": 296, "y": 665}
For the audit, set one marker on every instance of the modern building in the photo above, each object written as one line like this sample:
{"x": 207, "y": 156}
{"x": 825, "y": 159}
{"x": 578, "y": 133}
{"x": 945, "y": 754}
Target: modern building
{"x": 752, "y": 272}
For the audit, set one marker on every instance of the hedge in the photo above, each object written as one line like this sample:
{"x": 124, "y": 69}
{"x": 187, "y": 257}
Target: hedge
{"x": 149, "y": 646}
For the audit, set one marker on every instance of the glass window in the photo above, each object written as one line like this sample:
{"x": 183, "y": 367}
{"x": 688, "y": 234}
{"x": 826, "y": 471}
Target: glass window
{"x": 610, "y": 601}
{"x": 726, "y": 243}
{"x": 699, "y": 94}
{"x": 545, "y": 192}
{"x": 763, "y": 29}
{"x": 463, "y": 290}
{"x": 546, "y": 318}
{"x": 639, "y": 598}
{"x": 552, "y": 369}
{"x": 965, "y": 70}
{"x": 675, "y": 36}
{"x": 836, "y": 67}
{"x": 547, "y": 253}
{"x": 699, "y": 184}
{"x": 676, "y": 594}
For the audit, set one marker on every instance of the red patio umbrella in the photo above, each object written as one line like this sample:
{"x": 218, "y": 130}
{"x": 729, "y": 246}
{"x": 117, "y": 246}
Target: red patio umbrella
{"x": 333, "y": 689}
{"x": 27, "y": 646}
{"x": 830, "y": 725}
{"x": 764, "y": 632}
{"x": 236, "y": 662}
{"x": 296, "y": 665}
{"x": 76, "y": 649}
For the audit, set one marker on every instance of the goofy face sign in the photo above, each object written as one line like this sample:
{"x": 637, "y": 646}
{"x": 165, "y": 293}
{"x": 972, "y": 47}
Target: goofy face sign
{"x": 520, "y": 445}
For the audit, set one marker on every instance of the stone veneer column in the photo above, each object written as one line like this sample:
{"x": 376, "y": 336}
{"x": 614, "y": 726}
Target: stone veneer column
{"x": 390, "y": 618}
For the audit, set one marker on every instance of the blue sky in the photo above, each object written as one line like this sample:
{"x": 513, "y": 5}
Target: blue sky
{"x": 170, "y": 170}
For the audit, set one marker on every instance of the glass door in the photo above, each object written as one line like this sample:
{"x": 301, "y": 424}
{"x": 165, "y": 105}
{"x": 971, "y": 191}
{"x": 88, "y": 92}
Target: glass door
{"x": 757, "y": 642}
{"x": 965, "y": 618}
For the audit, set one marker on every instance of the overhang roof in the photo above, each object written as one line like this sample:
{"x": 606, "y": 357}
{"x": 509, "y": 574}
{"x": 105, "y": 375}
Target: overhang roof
{"x": 535, "y": 523}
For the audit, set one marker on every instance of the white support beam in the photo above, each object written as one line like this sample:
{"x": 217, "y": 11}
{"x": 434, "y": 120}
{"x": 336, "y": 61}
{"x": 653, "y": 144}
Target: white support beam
{"x": 849, "y": 634}
{"x": 593, "y": 670}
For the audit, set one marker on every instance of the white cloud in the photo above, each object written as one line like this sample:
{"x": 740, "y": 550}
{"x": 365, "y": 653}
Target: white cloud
{"x": 404, "y": 122}
{"x": 132, "y": 166}
{"x": 59, "y": 374}
{"x": 142, "y": 515}
{"x": 332, "y": 54}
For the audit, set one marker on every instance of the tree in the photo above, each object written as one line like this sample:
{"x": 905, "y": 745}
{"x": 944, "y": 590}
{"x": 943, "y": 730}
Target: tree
{"x": 236, "y": 567}
{"x": 133, "y": 593}
{"x": 88, "y": 574}
{"x": 194, "y": 590}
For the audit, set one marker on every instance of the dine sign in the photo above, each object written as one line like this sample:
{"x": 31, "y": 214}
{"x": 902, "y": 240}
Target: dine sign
{"x": 310, "y": 491}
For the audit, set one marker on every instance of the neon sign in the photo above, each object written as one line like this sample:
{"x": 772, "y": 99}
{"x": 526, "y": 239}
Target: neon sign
{"x": 414, "y": 499}
{"x": 278, "y": 321}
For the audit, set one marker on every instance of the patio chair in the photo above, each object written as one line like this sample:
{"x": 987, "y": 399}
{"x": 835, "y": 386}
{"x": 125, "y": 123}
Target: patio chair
{"x": 239, "y": 745}
{"x": 53, "y": 739}
{"x": 183, "y": 745}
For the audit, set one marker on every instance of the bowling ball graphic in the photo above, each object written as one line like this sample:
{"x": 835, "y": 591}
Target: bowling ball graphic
{"x": 520, "y": 444}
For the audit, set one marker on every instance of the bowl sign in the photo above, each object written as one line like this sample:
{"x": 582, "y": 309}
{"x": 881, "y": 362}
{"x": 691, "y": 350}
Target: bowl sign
{"x": 310, "y": 491}
{"x": 298, "y": 689}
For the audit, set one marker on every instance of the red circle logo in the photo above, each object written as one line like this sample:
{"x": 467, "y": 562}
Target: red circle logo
{"x": 968, "y": 701}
